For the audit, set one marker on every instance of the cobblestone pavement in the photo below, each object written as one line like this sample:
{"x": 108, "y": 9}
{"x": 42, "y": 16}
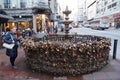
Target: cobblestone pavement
{"x": 110, "y": 72}
{"x": 22, "y": 72}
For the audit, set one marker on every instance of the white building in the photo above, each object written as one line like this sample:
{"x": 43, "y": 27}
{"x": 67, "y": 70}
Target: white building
{"x": 91, "y": 9}
{"x": 54, "y": 9}
{"x": 80, "y": 14}
{"x": 87, "y": 11}
{"x": 107, "y": 7}
{"x": 108, "y": 12}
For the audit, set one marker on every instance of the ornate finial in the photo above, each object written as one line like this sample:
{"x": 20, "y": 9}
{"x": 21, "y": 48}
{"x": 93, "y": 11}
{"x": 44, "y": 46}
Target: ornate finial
{"x": 66, "y": 12}
{"x": 66, "y": 8}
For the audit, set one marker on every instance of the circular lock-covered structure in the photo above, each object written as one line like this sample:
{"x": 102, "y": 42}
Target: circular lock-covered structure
{"x": 76, "y": 55}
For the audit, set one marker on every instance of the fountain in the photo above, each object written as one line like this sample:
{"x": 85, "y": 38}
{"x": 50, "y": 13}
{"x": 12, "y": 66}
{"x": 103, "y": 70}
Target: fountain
{"x": 67, "y": 54}
{"x": 66, "y": 22}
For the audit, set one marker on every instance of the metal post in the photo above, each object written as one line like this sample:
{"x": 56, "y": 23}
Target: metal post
{"x": 115, "y": 48}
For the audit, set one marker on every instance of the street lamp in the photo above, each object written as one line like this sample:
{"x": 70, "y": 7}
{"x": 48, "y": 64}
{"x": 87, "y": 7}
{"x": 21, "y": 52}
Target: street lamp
{"x": 20, "y": 16}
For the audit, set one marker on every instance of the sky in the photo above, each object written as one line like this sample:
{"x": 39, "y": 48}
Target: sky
{"x": 72, "y": 6}
{"x": 70, "y": 3}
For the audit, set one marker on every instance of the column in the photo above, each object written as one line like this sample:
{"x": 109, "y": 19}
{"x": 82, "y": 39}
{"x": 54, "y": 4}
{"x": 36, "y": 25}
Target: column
{"x": 34, "y": 23}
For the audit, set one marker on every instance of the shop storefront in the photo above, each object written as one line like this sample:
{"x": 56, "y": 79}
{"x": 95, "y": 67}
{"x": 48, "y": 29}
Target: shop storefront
{"x": 41, "y": 22}
{"x": 33, "y": 18}
{"x": 21, "y": 23}
{"x": 105, "y": 21}
{"x": 112, "y": 21}
{"x": 117, "y": 20}
{"x": 41, "y": 19}
{"x": 2, "y": 23}
{"x": 94, "y": 23}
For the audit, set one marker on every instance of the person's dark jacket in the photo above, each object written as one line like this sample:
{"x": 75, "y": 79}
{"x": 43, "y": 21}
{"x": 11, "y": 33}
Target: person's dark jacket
{"x": 8, "y": 39}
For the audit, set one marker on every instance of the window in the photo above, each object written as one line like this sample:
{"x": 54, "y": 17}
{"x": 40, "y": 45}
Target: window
{"x": 97, "y": 2}
{"x": 97, "y": 11}
{"x": 7, "y": 3}
{"x": 0, "y": 6}
{"x": 113, "y": 0}
{"x": 104, "y": 9}
{"x": 114, "y": 4}
{"x": 22, "y": 4}
{"x": 109, "y": 6}
{"x": 105, "y": 2}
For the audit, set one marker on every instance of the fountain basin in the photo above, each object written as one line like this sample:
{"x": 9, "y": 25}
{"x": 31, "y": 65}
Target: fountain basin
{"x": 80, "y": 54}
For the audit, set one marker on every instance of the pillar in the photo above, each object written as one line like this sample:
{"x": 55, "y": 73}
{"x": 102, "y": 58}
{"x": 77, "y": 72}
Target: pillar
{"x": 34, "y": 23}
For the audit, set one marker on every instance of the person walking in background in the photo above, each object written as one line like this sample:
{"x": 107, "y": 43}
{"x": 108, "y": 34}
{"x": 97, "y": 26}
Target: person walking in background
{"x": 12, "y": 53}
{"x": 62, "y": 29}
{"x": 18, "y": 33}
{"x": 48, "y": 29}
{"x": 55, "y": 29}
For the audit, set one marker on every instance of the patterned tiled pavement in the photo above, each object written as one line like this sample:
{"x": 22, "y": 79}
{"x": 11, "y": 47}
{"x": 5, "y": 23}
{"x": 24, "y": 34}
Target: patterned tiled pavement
{"x": 110, "y": 72}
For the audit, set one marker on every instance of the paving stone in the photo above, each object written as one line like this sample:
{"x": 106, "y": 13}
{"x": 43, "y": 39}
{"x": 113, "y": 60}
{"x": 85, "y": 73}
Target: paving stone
{"x": 110, "y": 72}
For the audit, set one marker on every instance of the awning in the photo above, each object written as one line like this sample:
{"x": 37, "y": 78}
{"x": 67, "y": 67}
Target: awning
{"x": 20, "y": 20}
{"x": 117, "y": 19}
{"x": 5, "y": 16}
{"x": 94, "y": 21}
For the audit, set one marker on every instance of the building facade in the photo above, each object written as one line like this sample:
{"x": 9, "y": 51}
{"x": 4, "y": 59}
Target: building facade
{"x": 87, "y": 12}
{"x": 27, "y": 13}
{"x": 108, "y": 12}
{"x": 3, "y": 19}
{"x": 80, "y": 17}
{"x": 105, "y": 13}
{"x": 80, "y": 14}
{"x": 54, "y": 9}
{"x": 91, "y": 12}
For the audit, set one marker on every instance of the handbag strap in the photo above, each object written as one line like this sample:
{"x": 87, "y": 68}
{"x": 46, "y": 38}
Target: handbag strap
{"x": 11, "y": 37}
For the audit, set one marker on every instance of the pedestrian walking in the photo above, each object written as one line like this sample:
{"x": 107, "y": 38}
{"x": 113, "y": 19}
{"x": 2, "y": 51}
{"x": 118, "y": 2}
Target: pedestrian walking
{"x": 11, "y": 37}
{"x": 18, "y": 33}
{"x": 55, "y": 29}
{"x": 48, "y": 29}
{"x": 62, "y": 29}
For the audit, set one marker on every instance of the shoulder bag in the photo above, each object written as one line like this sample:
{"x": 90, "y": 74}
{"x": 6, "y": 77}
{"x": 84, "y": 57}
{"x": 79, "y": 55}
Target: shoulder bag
{"x": 9, "y": 46}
